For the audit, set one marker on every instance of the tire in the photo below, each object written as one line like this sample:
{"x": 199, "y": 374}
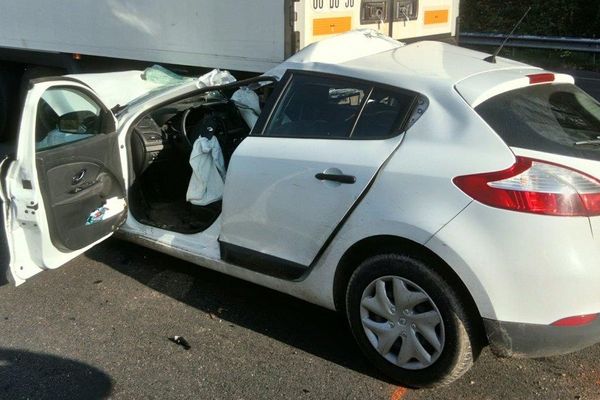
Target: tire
{"x": 427, "y": 308}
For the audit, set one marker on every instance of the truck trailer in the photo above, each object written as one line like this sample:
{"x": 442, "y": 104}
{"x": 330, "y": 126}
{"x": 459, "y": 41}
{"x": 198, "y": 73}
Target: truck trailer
{"x": 57, "y": 37}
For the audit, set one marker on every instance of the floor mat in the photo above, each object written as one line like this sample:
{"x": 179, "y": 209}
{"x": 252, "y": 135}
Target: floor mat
{"x": 182, "y": 217}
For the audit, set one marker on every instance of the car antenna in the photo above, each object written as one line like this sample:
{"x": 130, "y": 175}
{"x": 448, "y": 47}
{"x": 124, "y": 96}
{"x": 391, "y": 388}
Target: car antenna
{"x": 492, "y": 58}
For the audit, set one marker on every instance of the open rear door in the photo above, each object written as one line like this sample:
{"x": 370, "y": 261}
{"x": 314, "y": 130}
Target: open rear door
{"x": 63, "y": 192}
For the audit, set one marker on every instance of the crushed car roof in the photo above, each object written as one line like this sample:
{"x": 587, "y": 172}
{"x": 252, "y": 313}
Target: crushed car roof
{"x": 364, "y": 54}
{"x": 369, "y": 55}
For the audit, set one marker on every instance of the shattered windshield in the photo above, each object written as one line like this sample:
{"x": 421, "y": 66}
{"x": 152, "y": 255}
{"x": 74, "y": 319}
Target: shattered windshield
{"x": 120, "y": 108}
{"x": 170, "y": 81}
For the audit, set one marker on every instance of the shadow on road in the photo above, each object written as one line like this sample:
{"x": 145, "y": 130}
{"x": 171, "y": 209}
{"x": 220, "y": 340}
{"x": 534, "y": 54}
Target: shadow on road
{"x": 296, "y": 323}
{"x": 25, "y": 375}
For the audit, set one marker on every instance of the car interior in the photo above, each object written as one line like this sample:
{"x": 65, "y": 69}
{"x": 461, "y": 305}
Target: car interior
{"x": 161, "y": 146}
{"x": 180, "y": 152}
{"x": 164, "y": 140}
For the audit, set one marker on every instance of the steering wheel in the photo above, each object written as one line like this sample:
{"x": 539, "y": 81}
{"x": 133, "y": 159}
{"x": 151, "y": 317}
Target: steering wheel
{"x": 184, "y": 119}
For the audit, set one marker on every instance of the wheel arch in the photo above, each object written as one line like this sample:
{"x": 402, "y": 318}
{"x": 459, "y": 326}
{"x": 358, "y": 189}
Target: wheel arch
{"x": 381, "y": 244}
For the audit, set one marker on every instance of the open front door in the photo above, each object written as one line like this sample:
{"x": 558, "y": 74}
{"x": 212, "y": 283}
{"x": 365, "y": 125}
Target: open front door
{"x": 64, "y": 190}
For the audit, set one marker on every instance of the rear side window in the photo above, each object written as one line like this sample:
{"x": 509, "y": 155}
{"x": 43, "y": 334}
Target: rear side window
{"x": 339, "y": 108}
{"x": 560, "y": 119}
{"x": 384, "y": 112}
{"x": 318, "y": 107}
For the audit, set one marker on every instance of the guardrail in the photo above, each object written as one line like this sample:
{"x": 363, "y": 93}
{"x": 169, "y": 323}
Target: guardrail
{"x": 532, "y": 42}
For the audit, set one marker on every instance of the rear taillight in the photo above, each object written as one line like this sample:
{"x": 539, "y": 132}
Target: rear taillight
{"x": 537, "y": 187}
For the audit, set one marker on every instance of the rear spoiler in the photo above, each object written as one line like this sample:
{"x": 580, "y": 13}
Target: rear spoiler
{"x": 481, "y": 87}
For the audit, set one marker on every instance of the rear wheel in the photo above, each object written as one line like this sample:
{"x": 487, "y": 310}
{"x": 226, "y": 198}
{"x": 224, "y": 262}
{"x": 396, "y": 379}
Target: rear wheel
{"x": 409, "y": 322}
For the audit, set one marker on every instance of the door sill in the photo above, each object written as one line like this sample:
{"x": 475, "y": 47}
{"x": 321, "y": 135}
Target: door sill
{"x": 261, "y": 262}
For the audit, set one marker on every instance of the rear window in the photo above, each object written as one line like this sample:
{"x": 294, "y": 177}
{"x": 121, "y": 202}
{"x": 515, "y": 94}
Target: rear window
{"x": 560, "y": 119}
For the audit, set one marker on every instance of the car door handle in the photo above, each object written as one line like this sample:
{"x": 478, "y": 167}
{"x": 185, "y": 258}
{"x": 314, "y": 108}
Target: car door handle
{"x": 78, "y": 177}
{"x": 339, "y": 178}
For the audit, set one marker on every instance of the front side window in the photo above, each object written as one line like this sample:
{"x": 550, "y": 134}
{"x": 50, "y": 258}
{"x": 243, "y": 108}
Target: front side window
{"x": 66, "y": 115}
{"x": 560, "y": 119}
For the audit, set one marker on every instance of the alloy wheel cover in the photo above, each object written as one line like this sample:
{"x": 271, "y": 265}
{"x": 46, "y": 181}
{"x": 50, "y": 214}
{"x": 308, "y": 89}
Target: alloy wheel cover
{"x": 402, "y": 322}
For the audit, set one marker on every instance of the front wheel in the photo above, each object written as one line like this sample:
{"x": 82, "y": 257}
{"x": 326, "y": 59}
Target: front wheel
{"x": 409, "y": 321}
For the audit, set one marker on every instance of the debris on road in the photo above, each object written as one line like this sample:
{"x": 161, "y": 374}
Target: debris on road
{"x": 180, "y": 340}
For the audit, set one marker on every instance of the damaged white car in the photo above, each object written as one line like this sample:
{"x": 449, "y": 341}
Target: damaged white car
{"x": 438, "y": 200}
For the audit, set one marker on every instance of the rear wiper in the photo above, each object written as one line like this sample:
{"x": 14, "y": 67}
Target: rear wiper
{"x": 588, "y": 142}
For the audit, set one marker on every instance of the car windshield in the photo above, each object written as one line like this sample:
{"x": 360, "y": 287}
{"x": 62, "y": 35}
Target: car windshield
{"x": 145, "y": 97}
{"x": 560, "y": 119}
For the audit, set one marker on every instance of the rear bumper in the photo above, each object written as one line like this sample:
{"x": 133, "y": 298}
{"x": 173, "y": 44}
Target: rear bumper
{"x": 525, "y": 268}
{"x": 510, "y": 339}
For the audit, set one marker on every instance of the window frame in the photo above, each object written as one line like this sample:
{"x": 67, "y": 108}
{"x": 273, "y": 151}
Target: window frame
{"x": 275, "y": 101}
{"x": 108, "y": 121}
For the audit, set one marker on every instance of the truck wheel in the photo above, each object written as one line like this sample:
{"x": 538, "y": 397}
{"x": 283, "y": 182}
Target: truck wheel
{"x": 409, "y": 322}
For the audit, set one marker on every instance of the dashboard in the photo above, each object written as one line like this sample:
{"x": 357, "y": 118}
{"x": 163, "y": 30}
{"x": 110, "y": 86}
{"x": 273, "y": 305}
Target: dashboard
{"x": 169, "y": 134}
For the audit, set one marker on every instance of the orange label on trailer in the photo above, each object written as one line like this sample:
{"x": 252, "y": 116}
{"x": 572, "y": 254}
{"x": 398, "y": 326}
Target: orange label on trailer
{"x": 330, "y": 26}
{"x": 436, "y": 17}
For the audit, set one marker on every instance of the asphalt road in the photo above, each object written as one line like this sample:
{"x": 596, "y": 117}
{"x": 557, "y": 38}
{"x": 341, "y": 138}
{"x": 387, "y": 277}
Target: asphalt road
{"x": 98, "y": 328}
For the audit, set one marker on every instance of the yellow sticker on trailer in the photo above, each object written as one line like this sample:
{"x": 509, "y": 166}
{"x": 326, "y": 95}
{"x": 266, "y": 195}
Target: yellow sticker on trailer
{"x": 330, "y": 26}
{"x": 436, "y": 17}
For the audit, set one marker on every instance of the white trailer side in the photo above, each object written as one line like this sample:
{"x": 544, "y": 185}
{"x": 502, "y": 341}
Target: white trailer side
{"x": 54, "y": 37}
{"x": 229, "y": 34}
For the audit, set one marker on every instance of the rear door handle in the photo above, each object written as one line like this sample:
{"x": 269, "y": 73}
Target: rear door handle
{"x": 339, "y": 178}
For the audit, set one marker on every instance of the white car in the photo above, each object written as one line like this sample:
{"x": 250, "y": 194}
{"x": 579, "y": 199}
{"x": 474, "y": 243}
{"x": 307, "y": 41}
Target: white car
{"x": 440, "y": 201}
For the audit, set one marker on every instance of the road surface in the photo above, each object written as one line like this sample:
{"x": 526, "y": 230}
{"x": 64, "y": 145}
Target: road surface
{"x": 98, "y": 328}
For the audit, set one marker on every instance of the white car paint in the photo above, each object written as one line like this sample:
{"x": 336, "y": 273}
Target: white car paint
{"x": 25, "y": 219}
{"x": 483, "y": 86}
{"x": 363, "y": 42}
{"x": 285, "y": 211}
{"x": 533, "y": 269}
